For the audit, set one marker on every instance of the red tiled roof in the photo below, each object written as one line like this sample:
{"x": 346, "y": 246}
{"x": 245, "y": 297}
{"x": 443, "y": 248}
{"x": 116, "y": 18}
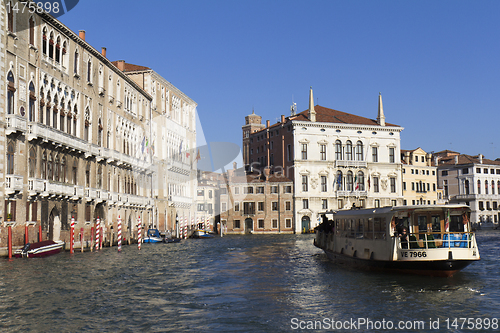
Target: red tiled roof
{"x": 466, "y": 159}
{"x": 131, "y": 67}
{"x": 327, "y": 115}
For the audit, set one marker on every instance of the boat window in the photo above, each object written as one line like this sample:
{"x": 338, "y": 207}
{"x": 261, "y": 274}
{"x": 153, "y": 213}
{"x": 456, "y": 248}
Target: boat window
{"x": 368, "y": 229}
{"x": 379, "y": 228}
{"x": 436, "y": 224}
{"x": 422, "y": 223}
{"x": 359, "y": 228}
{"x": 352, "y": 227}
{"x": 456, "y": 223}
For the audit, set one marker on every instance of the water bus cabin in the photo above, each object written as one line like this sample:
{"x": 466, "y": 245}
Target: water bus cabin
{"x": 434, "y": 240}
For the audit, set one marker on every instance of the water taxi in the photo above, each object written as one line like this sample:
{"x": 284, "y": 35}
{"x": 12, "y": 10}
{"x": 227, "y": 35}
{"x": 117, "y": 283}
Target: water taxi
{"x": 435, "y": 240}
{"x": 153, "y": 236}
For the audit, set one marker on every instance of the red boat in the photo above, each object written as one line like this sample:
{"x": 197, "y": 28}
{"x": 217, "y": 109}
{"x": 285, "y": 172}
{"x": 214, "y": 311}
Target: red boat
{"x": 40, "y": 249}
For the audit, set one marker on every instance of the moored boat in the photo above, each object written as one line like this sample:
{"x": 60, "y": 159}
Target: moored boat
{"x": 153, "y": 236}
{"x": 434, "y": 240}
{"x": 39, "y": 249}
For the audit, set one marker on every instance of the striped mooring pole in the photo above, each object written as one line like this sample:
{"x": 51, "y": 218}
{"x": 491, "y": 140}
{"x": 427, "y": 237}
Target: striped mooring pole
{"x": 97, "y": 234}
{"x": 139, "y": 233}
{"x": 119, "y": 234}
{"x": 72, "y": 236}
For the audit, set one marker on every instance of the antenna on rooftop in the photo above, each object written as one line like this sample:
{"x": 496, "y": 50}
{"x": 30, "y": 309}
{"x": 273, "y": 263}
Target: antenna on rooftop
{"x": 293, "y": 108}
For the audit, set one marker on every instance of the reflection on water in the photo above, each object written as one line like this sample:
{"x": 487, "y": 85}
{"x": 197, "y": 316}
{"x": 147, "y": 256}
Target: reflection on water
{"x": 232, "y": 284}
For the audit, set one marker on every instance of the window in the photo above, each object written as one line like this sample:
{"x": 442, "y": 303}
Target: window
{"x": 260, "y": 223}
{"x": 288, "y": 205}
{"x": 10, "y": 93}
{"x": 305, "y": 204}
{"x": 89, "y": 71}
{"x": 359, "y": 151}
{"x": 338, "y": 150}
{"x": 10, "y": 158}
{"x": 32, "y": 163}
{"x": 349, "y": 181}
{"x": 393, "y": 184}
{"x": 360, "y": 181}
{"x": 377, "y": 203}
{"x": 10, "y": 210}
{"x": 248, "y": 190}
{"x": 75, "y": 171}
{"x": 76, "y": 62}
{"x": 275, "y": 224}
{"x": 374, "y": 154}
{"x": 391, "y": 155}
{"x": 249, "y": 208}
{"x": 274, "y": 205}
{"x": 62, "y": 173}
{"x": 51, "y": 46}
{"x": 260, "y": 189}
{"x": 375, "y": 185}
{"x": 465, "y": 171}
{"x": 31, "y": 211}
{"x": 31, "y": 105}
{"x": 288, "y": 189}
{"x": 478, "y": 187}
{"x": 237, "y": 190}
{"x": 444, "y": 173}
{"x": 322, "y": 152}
{"x": 288, "y": 223}
{"x": 348, "y": 150}
{"x": 236, "y": 206}
{"x": 304, "y": 151}
{"x": 31, "y": 24}
{"x": 201, "y": 207}
{"x": 274, "y": 189}
{"x": 260, "y": 206}
{"x": 224, "y": 207}
{"x": 486, "y": 187}
{"x": 304, "y": 183}
{"x": 339, "y": 180}
{"x": 324, "y": 204}
{"x": 50, "y": 165}
{"x": 478, "y": 170}
{"x": 237, "y": 224}
{"x": 87, "y": 175}
{"x": 200, "y": 192}
{"x": 323, "y": 184}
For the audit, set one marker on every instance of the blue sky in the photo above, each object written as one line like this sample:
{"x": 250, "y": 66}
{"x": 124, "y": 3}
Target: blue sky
{"x": 436, "y": 63}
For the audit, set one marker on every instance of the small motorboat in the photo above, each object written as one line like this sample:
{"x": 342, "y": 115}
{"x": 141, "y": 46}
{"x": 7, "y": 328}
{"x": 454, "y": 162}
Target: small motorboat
{"x": 153, "y": 236}
{"x": 39, "y": 249}
{"x": 200, "y": 233}
{"x": 172, "y": 240}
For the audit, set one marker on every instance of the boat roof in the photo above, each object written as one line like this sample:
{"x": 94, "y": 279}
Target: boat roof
{"x": 384, "y": 210}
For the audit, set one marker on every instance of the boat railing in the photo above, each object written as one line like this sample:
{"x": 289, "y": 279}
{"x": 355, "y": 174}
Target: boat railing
{"x": 437, "y": 240}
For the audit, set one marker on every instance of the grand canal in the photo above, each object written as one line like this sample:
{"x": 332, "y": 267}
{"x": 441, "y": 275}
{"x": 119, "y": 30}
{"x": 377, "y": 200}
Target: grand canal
{"x": 233, "y": 284}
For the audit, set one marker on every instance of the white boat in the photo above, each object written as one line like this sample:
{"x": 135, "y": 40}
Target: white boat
{"x": 434, "y": 240}
{"x": 39, "y": 249}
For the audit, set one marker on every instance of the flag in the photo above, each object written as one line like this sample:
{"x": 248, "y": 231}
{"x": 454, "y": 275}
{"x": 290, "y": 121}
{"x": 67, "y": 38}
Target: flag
{"x": 447, "y": 222}
{"x": 187, "y": 150}
{"x": 356, "y": 182}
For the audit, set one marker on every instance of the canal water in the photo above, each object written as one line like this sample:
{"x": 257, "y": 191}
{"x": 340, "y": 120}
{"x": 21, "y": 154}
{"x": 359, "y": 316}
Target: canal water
{"x": 277, "y": 283}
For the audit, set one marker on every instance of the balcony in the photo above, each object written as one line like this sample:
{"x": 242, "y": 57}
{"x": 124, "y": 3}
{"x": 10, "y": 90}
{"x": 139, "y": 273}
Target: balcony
{"x": 13, "y": 184}
{"x": 35, "y": 186}
{"x": 101, "y": 195}
{"x": 78, "y": 192}
{"x": 472, "y": 197}
{"x": 351, "y": 164}
{"x": 352, "y": 193}
{"x": 90, "y": 194}
{"x": 15, "y": 123}
{"x": 58, "y": 138}
{"x": 179, "y": 167}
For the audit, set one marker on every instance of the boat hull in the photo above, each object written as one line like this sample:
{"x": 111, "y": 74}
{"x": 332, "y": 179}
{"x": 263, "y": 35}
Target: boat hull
{"x": 153, "y": 240}
{"x": 40, "y": 249}
{"x": 439, "y": 268}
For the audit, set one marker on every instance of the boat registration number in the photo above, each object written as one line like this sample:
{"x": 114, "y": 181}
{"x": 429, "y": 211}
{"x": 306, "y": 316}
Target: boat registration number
{"x": 413, "y": 254}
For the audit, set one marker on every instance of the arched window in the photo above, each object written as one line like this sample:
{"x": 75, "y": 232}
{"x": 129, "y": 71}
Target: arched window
{"x": 32, "y": 99}
{"x": 99, "y": 133}
{"x": 348, "y": 150}
{"x": 338, "y": 150}
{"x": 360, "y": 181}
{"x": 47, "y": 110}
{"x": 32, "y": 163}
{"x": 54, "y": 112}
{"x": 51, "y": 46}
{"x": 10, "y": 93}
{"x": 63, "y": 54}
{"x": 44, "y": 165}
{"x": 75, "y": 171}
{"x": 45, "y": 41}
{"x": 61, "y": 115}
{"x": 87, "y": 175}
{"x": 75, "y": 117}
{"x": 485, "y": 187}
{"x": 359, "y": 151}
{"x": 478, "y": 187}
{"x": 99, "y": 176}
{"x": 31, "y": 24}
{"x": 63, "y": 170}
{"x": 89, "y": 71}
{"x": 339, "y": 181}
{"x": 349, "y": 181}
{"x": 492, "y": 187}
{"x": 11, "y": 151}
{"x": 76, "y": 62}
{"x": 50, "y": 168}
{"x": 467, "y": 187}
{"x": 58, "y": 49}
{"x": 56, "y": 168}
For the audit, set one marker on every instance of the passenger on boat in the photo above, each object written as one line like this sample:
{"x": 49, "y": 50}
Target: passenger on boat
{"x": 404, "y": 239}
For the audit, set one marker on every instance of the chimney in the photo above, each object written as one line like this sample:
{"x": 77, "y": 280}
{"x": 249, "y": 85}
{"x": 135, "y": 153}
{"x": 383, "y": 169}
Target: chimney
{"x": 429, "y": 159}
{"x": 267, "y": 172}
{"x": 81, "y": 34}
{"x": 407, "y": 157}
{"x": 456, "y": 159}
{"x": 103, "y": 51}
{"x": 282, "y": 118}
{"x": 121, "y": 65}
{"x": 480, "y": 159}
{"x": 381, "y": 116}
{"x": 268, "y": 123}
{"x": 234, "y": 165}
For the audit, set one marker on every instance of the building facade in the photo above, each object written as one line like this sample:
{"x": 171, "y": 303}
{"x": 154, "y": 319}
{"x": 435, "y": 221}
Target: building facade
{"x": 336, "y": 160}
{"x": 419, "y": 178}
{"x": 256, "y": 203}
{"x": 471, "y": 180}
{"x": 172, "y": 144}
